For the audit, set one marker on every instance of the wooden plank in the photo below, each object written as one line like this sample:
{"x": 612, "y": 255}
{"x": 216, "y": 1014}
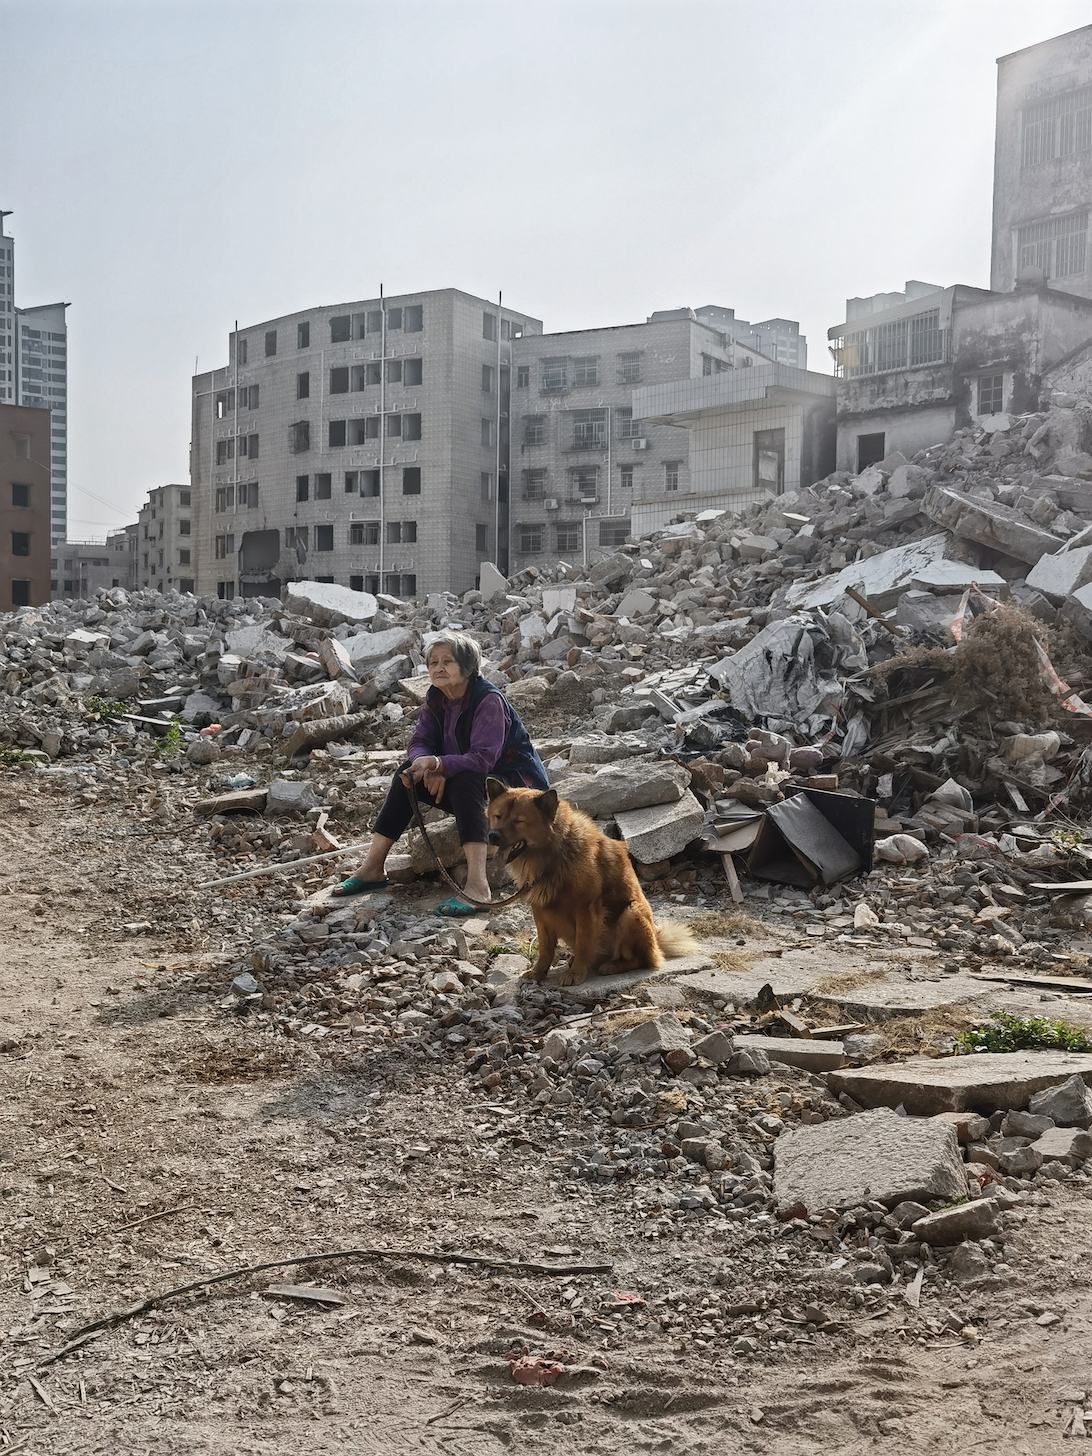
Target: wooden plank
{"x": 1064, "y": 887}
{"x": 732, "y": 878}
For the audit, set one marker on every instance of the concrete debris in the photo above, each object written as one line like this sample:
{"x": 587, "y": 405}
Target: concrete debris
{"x": 1069, "y": 1103}
{"x": 983, "y": 1081}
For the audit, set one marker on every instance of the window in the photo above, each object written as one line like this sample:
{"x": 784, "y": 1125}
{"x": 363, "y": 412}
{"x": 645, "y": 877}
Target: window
{"x": 1057, "y": 245}
{"x": 356, "y": 583}
{"x": 339, "y": 381}
{"x": 248, "y": 497}
{"x": 225, "y": 590}
{"x": 183, "y": 497}
{"x": 1059, "y": 126}
{"x": 303, "y": 336}
{"x": 585, "y": 372}
{"x": 248, "y": 397}
{"x": 225, "y": 501}
{"x": 248, "y": 447}
{"x": 394, "y": 427}
{"x": 401, "y": 533}
{"x": 481, "y": 539}
{"x": 303, "y": 487}
{"x": 625, "y": 479}
{"x": 225, "y": 546}
{"x": 671, "y": 474}
{"x": 20, "y": 495}
{"x": 70, "y": 586}
{"x": 613, "y": 533}
{"x": 412, "y": 371}
{"x": 369, "y": 482}
{"x": 534, "y": 484}
{"x": 323, "y": 484}
{"x": 870, "y": 450}
{"x": 184, "y": 556}
{"x": 629, "y": 368}
{"x": 20, "y": 593}
{"x": 534, "y": 429}
{"x": 584, "y": 484}
{"x": 303, "y": 385}
{"x": 394, "y": 319}
{"x": 371, "y": 374}
{"x": 489, "y": 325}
{"x": 356, "y": 533}
{"x": 270, "y": 343}
{"x": 371, "y": 583}
{"x": 225, "y": 451}
{"x": 411, "y": 427}
{"x": 299, "y": 437}
{"x": 184, "y": 526}
{"x": 20, "y": 543}
{"x": 567, "y": 537}
{"x": 350, "y": 482}
{"x": 364, "y": 533}
{"x": 628, "y": 427}
{"x": 411, "y": 480}
{"x": 336, "y": 433}
{"x": 240, "y": 351}
{"x": 487, "y": 379}
{"x": 590, "y": 428}
{"x": 487, "y": 432}
{"x": 523, "y": 376}
{"x": 366, "y": 429}
{"x": 991, "y": 394}
{"x": 295, "y": 537}
{"x": 340, "y": 329}
{"x": 375, "y": 321}
{"x": 324, "y": 538}
{"x": 185, "y": 584}
{"x": 225, "y": 403}
{"x": 413, "y": 318}
{"x": 486, "y": 485}
{"x": 553, "y": 376}
{"x": 529, "y": 539}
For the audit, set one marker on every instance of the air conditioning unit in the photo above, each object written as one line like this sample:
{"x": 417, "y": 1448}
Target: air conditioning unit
{"x": 552, "y": 503}
{"x": 639, "y": 444}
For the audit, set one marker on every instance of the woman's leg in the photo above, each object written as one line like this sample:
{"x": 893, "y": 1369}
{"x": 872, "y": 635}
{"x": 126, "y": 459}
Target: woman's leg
{"x": 464, "y": 796}
{"x": 392, "y": 823}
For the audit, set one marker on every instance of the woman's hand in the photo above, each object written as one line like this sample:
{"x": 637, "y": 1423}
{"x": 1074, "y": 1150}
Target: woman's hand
{"x": 427, "y": 770}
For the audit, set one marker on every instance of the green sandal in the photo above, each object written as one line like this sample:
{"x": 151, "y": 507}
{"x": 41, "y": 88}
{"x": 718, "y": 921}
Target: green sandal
{"x": 454, "y": 907}
{"x": 353, "y": 886}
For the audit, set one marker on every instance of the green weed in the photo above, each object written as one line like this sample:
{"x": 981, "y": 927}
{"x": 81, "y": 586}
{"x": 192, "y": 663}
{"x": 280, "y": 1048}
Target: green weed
{"x": 105, "y": 707}
{"x": 169, "y": 744}
{"x": 1005, "y": 1033}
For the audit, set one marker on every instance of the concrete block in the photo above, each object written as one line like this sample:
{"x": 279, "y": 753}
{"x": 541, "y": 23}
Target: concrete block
{"x": 1064, "y": 1145}
{"x": 983, "y": 1081}
{"x": 289, "y": 796}
{"x": 757, "y": 548}
{"x": 532, "y": 629}
{"x": 990, "y": 524}
{"x": 327, "y": 604}
{"x": 662, "y": 830}
{"x": 616, "y": 789}
{"x": 1059, "y": 575}
{"x": 810, "y": 1055}
{"x": 335, "y": 659}
{"x": 368, "y": 649}
{"x": 1069, "y": 1103}
{"x": 874, "y": 1155}
{"x": 924, "y": 611}
{"x": 716, "y": 1047}
{"x": 445, "y": 840}
{"x": 491, "y": 582}
{"x": 1077, "y": 610}
{"x": 881, "y": 578}
{"x": 970, "y": 1126}
{"x": 975, "y": 1220}
{"x": 635, "y": 603}
{"x": 558, "y": 599}
{"x": 663, "y": 1034}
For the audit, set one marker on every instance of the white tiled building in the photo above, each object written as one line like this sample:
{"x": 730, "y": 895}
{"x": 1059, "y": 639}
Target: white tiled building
{"x": 163, "y": 558}
{"x": 363, "y": 443}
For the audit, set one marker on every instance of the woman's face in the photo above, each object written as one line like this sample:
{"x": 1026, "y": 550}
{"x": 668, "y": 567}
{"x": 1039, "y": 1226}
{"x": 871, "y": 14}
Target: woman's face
{"x": 445, "y": 673}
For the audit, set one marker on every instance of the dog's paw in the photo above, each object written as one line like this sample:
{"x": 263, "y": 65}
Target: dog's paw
{"x": 536, "y": 973}
{"x": 572, "y": 977}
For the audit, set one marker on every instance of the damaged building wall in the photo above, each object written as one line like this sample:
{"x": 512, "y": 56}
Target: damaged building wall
{"x": 1017, "y": 335}
{"x": 1042, "y": 196}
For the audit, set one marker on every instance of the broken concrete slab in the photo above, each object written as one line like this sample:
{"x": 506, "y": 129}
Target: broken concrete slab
{"x": 491, "y": 582}
{"x": 1061, "y": 574}
{"x": 1069, "y": 1145}
{"x": 975, "y": 1220}
{"x": 874, "y": 1155}
{"x": 880, "y": 578}
{"x": 619, "y": 789}
{"x": 289, "y": 796}
{"x": 663, "y": 1034}
{"x": 635, "y": 603}
{"x": 895, "y": 995}
{"x": 982, "y": 1082}
{"x": 1069, "y": 1103}
{"x": 1077, "y": 610}
{"x": 602, "y": 988}
{"x": 661, "y": 830}
{"x": 328, "y": 604}
{"x": 368, "y": 649}
{"x": 808, "y": 1054}
{"x": 1000, "y": 527}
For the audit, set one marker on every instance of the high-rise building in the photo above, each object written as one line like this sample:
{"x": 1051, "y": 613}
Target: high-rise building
{"x": 34, "y": 373}
{"x": 1042, "y": 183}
{"x": 163, "y": 556}
{"x": 361, "y": 443}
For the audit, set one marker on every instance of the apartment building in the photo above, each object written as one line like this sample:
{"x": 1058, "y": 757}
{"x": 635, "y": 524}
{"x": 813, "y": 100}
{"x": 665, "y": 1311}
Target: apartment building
{"x": 161, "y": 545}
{"x": 1042, "y": 188}
{"x": 122, "y": 546}
{"x": 777, "y": 339}
{"x": 581, "y": 458}
{"x": 79, "y": 569}
{"x": 24, "y": 507}
{"x": 34, "y": 373}
{"x": 362, "y": 443}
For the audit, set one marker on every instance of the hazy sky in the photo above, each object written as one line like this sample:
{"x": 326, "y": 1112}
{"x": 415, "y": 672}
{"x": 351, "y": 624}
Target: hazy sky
{"x": 175, "y": 165}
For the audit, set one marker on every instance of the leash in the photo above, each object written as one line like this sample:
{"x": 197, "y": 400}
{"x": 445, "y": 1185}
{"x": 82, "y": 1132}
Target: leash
{"x": 415, "y": 805}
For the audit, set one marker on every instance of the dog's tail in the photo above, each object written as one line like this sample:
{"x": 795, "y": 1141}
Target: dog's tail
{"x": 676, "y": 940}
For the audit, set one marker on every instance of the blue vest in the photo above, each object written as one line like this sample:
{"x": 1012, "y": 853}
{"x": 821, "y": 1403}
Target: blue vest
{"x": 518, "y": 764}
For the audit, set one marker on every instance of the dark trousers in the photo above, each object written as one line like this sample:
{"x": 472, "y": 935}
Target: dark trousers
{"x": 463, "y": 796}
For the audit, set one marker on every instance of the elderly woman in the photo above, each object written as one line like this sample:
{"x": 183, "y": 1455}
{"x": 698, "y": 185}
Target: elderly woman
{"x": 467, "y": 731}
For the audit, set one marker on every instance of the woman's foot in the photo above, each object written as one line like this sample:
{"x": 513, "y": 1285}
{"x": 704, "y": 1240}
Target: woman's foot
{"x": 355, "y": 885}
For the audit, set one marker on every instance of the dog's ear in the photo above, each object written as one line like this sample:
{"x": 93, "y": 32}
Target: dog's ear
{"x": 546, "y": 804}
{"x": 494, "y": 788}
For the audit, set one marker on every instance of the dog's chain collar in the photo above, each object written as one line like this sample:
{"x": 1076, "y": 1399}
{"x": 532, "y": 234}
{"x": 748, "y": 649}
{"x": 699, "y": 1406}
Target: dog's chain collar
{"x": 478, "y": 904}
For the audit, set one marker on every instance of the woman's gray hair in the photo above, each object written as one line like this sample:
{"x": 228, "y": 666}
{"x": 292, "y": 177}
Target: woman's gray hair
{"x": 463, "y": 648}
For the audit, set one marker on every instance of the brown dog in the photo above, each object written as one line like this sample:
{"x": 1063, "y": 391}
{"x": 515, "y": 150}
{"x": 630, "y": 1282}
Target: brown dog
{"x": 580, "y": 885}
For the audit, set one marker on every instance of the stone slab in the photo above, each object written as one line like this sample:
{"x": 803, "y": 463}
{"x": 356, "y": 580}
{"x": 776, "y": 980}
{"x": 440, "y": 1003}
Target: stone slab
{"x": 880, "y": 578}
{"x": 897, "y": 995}
{"x": 876, "y": 1155}
{"x": 809, "y": 1055}
{"x": 663, "y": 830}
{"x": 977, "y": 1220}
{"x": 617, "y": 789}
{"x": 603, "y": 988}
{"x": 990, "y": 524}
{"x": 1058, "y": 575}
{"x": 982, "y": 1082}
{"x": 328, "y": 604}
{"x": 491, "y": 582}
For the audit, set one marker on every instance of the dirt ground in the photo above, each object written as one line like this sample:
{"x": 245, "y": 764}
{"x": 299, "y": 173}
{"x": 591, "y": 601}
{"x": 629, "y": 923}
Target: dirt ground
{"x": 150, "y": 1138}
